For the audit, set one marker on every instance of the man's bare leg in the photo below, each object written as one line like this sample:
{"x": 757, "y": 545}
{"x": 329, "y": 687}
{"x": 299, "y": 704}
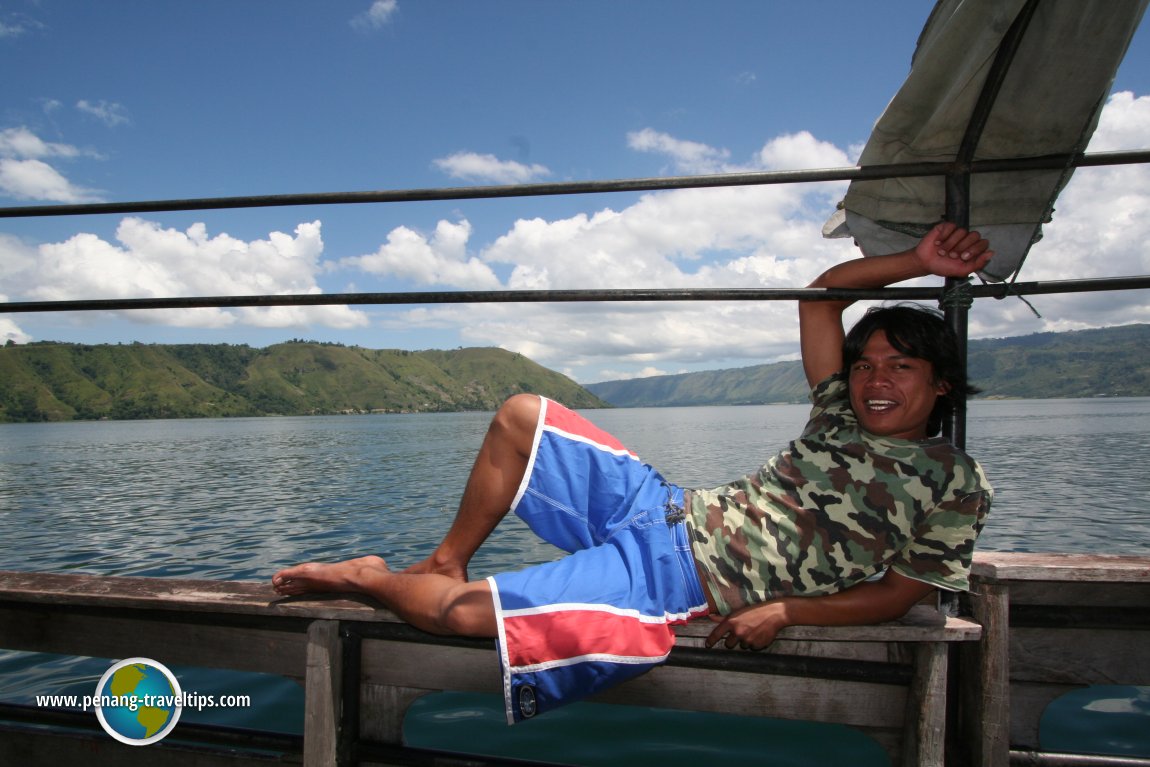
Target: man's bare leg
{"x": 435, "y": 594}
{"x": 491, "y": 487}
{"x": 435, "y": 603}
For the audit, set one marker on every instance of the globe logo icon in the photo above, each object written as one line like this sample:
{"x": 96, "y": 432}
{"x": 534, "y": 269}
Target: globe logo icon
{"x": 138, "y": 701}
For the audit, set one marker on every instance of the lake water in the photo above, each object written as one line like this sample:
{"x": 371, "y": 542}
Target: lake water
{"x": 240, "y": 498}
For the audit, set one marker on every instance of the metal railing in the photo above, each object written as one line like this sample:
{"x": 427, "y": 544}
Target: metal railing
{"x": 944, "y": 169}
{"x": 956, "y": 176}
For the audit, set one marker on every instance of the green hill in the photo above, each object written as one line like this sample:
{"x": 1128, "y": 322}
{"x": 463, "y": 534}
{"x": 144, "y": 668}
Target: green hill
{"x": 61, "y": 382}
{"x": 1109, "y": 362}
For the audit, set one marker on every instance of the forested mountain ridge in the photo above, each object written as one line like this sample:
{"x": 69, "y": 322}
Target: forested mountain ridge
{"x": 1107, "y": 362}
{"x": 61, "y": 382}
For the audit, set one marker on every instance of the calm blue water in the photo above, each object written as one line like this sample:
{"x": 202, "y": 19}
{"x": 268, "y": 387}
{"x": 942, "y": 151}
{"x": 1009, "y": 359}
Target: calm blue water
{"x": 240, "y": 498}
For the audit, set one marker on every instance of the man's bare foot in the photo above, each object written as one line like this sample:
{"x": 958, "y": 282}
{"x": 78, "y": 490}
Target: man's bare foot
{"x": 430, "y": 565}
{"x": 320, "y": 577}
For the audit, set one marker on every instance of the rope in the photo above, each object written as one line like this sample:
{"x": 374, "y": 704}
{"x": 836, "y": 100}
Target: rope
{"x": 1008, "y": 290}
{"x": 958, "y": 295}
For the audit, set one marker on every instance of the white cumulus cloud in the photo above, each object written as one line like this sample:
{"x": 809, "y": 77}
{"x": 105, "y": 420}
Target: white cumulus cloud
{"x": 26, "y": 173}
{"x": 487, "y": 167}
{"x": 688, "y": 156}
{"x": 148, "y": 260}
{"x": 440, "y": 259}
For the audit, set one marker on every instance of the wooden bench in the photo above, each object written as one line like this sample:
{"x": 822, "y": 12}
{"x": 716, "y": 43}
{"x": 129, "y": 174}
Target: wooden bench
{"x": 1053, "y": 623}
{"x": 362, "y": 667}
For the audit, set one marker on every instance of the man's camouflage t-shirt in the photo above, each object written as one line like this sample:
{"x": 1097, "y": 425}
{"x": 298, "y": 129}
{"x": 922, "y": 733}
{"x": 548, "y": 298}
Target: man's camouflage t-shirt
{"x": 836, "y": 507}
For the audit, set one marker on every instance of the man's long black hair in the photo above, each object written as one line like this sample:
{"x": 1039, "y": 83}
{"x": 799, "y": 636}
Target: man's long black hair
{"x": 920, "y": 332}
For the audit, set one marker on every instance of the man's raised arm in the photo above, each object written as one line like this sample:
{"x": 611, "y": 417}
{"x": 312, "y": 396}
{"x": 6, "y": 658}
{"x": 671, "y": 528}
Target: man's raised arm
{"x": 946, "y": 251}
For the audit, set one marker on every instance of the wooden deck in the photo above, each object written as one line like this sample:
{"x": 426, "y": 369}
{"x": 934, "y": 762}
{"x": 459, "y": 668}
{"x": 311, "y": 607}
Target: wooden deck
{"x": 362, "y": 668}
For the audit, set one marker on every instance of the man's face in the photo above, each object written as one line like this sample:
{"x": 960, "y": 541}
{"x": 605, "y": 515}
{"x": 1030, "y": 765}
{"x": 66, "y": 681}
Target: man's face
{"x": 891, "y": 393}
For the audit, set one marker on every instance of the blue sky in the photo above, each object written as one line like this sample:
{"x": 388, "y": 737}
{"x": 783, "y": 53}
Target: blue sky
{"x": 137, "y": 101}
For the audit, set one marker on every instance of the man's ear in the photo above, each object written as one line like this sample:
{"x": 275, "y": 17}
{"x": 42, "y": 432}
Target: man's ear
{"x": 941, "y": 387}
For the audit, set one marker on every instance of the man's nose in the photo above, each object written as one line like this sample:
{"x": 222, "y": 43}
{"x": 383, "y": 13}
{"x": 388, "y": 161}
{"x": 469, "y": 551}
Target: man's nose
{"x": 878, "y": 377}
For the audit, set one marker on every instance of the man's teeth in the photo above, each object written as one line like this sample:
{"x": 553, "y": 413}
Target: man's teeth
{"x": 880, "y": 404}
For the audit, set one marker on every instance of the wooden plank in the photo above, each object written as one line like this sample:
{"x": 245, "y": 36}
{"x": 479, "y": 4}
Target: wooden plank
{"x": 924, "y": 734}
{"x": 1079, "y": 656}
{"x": 243, "y": 597}
{"x": 382, "y": 710}
{"x": 414, "y": 667}
{"x": 921, "y": 624}
{"x": 252, "y": 598}
{"x": 867, "y": 652}
{"x": 1000, "y": 566}
{"x": 430, "y": 667}
{"x": 116, "y": 634}
{"x": 859, "y": 704}
{"x": 1080, "y": 594}
{"x": 323, "y": 696}
{"x": 984, "y": 695}
{"x": 225, "y": 597}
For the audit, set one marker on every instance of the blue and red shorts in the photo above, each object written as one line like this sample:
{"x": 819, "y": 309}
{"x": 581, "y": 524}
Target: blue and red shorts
{"x": 603, "y": 614}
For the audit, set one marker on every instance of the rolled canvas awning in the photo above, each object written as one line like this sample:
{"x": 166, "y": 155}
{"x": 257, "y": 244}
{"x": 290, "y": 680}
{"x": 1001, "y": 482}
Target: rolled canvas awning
{"x": 1065, "y": 54}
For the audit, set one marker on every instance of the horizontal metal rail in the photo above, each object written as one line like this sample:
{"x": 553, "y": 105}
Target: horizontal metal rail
{"x": 996, "y": 290}
{"x": 1047, "y": 162}
{"x": 870, "y": 172}
{"x": 1020, "y": 758}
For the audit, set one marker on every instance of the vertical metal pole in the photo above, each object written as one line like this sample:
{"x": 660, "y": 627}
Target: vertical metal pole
{"x": 958, "y": 189}
{"x": 957, "y": 317}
